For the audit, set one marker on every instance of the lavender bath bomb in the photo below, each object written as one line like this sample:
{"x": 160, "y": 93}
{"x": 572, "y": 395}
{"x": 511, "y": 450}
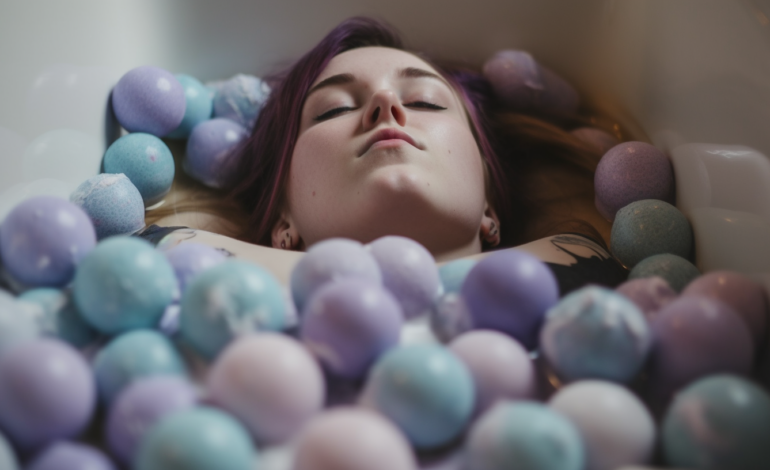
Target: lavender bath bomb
{"x": 650, "y": 294}
{"x": 149, "y": 99}
{"x": 209, "y": 148}
{"x": 677, "y": 271}
{"x": 649, "y": 227}
{"x": 630, "y": 172}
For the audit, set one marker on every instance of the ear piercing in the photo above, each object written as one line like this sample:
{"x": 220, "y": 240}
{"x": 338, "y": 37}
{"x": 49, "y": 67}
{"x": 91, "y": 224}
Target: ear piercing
{"x": 283, "y": 242}
{"x": 492, "y": 236}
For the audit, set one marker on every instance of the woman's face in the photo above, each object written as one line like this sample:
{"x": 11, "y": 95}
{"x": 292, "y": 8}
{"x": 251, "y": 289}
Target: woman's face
{"x": 385, "y": 148}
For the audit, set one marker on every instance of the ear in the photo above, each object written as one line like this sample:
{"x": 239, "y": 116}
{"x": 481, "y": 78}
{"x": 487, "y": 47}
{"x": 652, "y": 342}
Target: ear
{"x": 489, "y": 232}
{"x": 285, "y": 236}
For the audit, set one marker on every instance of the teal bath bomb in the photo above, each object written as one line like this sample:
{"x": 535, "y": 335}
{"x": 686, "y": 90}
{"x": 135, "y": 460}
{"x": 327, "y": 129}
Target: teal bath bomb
{"x": 677, "y": 271}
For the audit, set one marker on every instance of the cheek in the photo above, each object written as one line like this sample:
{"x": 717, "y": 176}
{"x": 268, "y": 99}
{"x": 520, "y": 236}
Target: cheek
{"x": 459, "y": 147}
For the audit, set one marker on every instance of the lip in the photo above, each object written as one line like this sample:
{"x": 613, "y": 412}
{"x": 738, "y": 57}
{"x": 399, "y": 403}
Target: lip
{"x": 387, "y": 134}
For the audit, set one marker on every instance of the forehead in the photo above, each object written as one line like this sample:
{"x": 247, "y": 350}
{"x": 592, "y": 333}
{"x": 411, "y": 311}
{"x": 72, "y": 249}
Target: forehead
{"x": 372, "y": 62}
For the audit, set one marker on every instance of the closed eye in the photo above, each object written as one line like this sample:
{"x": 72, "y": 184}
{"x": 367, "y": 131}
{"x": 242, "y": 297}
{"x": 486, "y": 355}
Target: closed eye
{"x": 424, "y": 105}
{"x": 332, "y": 112}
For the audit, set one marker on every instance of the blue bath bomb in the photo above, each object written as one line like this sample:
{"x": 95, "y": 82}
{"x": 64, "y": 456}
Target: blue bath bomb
{"x": 112, "y": 202}
{"x": 524, "y": 436}
{"x": 649, "y": 227}
{"x": 124, "y": 284}
{"x": 677, "y": 271}
{"x": 8, "y": 459}
{"x": 595, "y": 333}
{"x": 240, "y": 99}
{"x": 146, "y": 161}
{"x": 149, "y": 99}
{"x": 722, "y": 421}
{"x": 453, "y": 274}
{"x": 17, "y": 323}
{"x": 200, "y": 105}
{"x": 209, "y": 148}
{"x": 59, "y": 317}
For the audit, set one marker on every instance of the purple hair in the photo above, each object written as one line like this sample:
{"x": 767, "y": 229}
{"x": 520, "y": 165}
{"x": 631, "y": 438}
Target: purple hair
{"x": 261, "y": 167}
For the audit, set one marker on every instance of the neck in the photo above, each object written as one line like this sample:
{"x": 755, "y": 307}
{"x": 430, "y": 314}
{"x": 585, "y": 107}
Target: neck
{"x": 444, "y": 256}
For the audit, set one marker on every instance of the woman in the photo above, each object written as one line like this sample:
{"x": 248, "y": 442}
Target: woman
{"x": 362, "y": 139}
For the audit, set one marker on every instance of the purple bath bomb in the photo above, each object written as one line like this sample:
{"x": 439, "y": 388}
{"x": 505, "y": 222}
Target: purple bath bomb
{"x": 149, "y": 99}
{"x": 630, "y": 172}
{"x": 348, "y": 324}
{"x": 744, "y": 295}
{"x": 71, "y": 455}
{"x": 510, "y": 291}
{"x": 43, "y": 240}
{"x": 524, "y": 85}
{"x": 190, "y": 259}
{"x": 450, "y": 317}
{"x": 600, "y": 140}
{"x": 650, "y": 294}
{"x": 209, "y": 148}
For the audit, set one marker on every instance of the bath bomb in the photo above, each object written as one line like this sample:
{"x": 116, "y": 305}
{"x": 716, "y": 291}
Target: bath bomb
{"x": 58, "y": 316}
{"x": 649, "y": 227}
{"x": 526, "y": 86}
{"x": 190, "y": 259}
{"x": 409, "y": 272}
{"x": 210, "y": 147}
{"x": 450, "y": 317}
{"x": 677, "y": 271}
{"x": 231, "y": 299}
{"x": 17, "y": 323}
{"x": 149, "y": 99}
{"x": 112, "y": 202}
{"x": 524, "y": 436}
{"x": 146, "y": 161}
{"x": 722, "y": 421}
{"x": 510, "y": 291}
{"x": 197, "y": 439}
{"x": 65, "y": 454}
{"x": 199, "y": 106}
{"x": 425, "y": 390}
{"x": 630, "y": 172}
{"x": 132, "y": 356}
{"x": 8, "y": 459}
{"x": 349, "y": 324}
{"x": 650, "y": 294}
{"x": 453, "y": 273}
{"x": 600, "y": 140}
{"x": 743, "y": 294}
{"x": 595, "y": 333}
{"x": 48, "y": 393}
{"x": 240, "y": 99}
{"x": 124, "y": 284}
{"x": 43, "y": 240}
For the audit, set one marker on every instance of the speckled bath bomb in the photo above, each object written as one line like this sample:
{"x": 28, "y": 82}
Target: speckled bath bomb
{"x": 146, "y": 161}
{"x": 677, "y": 271}
{"x": 649, "y": 227}
{"x": 113, "y": 203}
{"x": 630, "y": 172}
{"x": 149, "y": 99}
{"x": 241, "y": 99}
{"x": 650, "y": 294}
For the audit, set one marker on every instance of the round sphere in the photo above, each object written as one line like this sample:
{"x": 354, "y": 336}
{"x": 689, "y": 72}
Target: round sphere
{"x": 70, "y": 455}
{"x": 140, "y": 406}
{"x": 330, "y": 260}
{"x": 510, "y": 291}
{"x": 209, "y": 148}
{"x": 59, "y": 317}
{"x": 196, "y": 439}
{"x": 746, "y": 297}
{"x": 124, "y": 284}
{"x": 8, "y": 459}
{"x": 615, "y": 427}
{"x": 600, "y": 140}
{"x": 190, "y": 259}
{"x": 500, "y": 366}
{"x": 720, "y": 421}
{"x": 199, "y": 106}
{"x": 649, "y": 227}
{"x": 450, "y": 317}
{"x": 43, "y": 239}
{"x": 524, "y": 85}
{"x": 453, "y": 274}
{"x": 595, "y": 333}
{"x": 696, "y": 337}
{"x": 650, "y": 294}
{"x": 17, "y": 323}
{"x": 233, "y": 298}
{"x": 149, "y": 99}
{"x": 270, "y": 382}
{"x": 241, "y": 99}
{"x": 409, "y": 272}
{"x": 677, "y": 271}
{"x": 112, "y": 202}
{"x": 146, "y": 161}
{"x": 351, "y": 439}
{"x": 425, "y": 390}
{"x": 48, "y": 393}
{"x": 524, "y": 436}
{"x": 629, "y": 172}
{"x": 348, "y": 324}
{"x": 133, "y": 356}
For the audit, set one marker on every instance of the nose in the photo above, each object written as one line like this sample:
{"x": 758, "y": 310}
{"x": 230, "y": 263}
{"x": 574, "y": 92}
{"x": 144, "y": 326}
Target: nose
{"x": 384, "y": 106}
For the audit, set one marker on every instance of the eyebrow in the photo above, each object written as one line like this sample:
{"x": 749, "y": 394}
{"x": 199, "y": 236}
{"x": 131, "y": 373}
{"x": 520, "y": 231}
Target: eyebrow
{"x": 345, "y": 78}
